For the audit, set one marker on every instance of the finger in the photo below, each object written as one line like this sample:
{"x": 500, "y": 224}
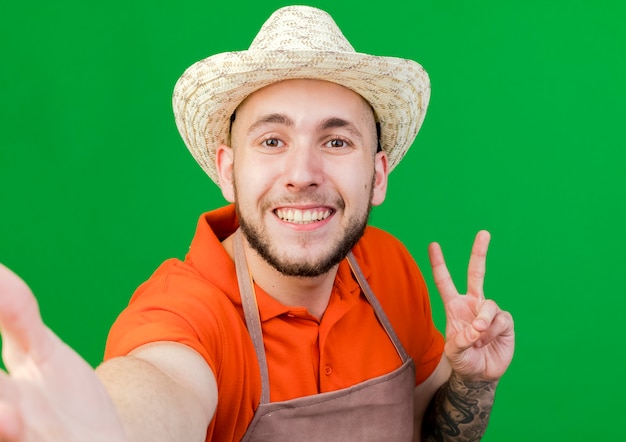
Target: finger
{"x": 441, "y": 275}
{"x": 501, "y": 326}
{"x": 10, "y": 421}
{"x": 477, "y": 265}
{"x": 476, "y": 333}
{"x": 487, "y": 311}
{"x": 463, "y": 340}
{"x": 22, "y": 328}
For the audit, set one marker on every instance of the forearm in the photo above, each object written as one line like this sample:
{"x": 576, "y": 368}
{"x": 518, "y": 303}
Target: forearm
{"x": 459, "y": 411}
{"x": 150, "y": 404}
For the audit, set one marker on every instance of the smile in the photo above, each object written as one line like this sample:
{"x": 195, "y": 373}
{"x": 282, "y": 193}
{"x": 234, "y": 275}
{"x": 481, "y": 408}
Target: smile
{"x": 297, "y": 216}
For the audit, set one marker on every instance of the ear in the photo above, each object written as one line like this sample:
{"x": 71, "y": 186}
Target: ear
{"x": 224, "y": 157}
{"x": 381, "y": 172}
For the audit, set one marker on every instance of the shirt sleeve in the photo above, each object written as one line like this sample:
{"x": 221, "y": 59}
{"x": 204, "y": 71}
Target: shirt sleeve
{"x": 163, "y": 310}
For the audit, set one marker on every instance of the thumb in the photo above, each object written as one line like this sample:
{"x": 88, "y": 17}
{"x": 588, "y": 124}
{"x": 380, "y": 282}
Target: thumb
{"x": 463, "y": 340}
{"x": 20, "y": 322}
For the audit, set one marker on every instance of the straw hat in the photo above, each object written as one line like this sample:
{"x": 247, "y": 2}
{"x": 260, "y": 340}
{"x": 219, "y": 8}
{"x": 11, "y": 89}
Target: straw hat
{"x": 298, "y": 42}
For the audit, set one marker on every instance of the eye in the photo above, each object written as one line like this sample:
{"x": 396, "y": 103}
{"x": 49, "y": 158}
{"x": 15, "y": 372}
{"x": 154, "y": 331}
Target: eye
{"x": 337, "y": 143}
{"x": 272, "y": 143}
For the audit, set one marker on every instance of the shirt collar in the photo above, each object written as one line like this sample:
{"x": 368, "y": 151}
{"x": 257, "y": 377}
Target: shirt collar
{"x": 206, "y": 254}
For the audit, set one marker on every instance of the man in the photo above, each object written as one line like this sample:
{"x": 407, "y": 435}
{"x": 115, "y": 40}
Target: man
{"x": 289, "y": 318}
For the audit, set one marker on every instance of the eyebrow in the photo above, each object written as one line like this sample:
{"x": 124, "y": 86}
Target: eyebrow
{"x": 334, "y": 122}
{"x": 272, "y": 119}
{"x": 328, "y": 123}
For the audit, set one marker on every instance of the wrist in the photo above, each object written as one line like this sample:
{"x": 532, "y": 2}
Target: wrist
{"x": 460, "y": 410}
{"x": 473, "y": 389}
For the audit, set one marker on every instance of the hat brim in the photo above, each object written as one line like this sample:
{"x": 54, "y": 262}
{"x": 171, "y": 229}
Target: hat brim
{"x": 209, "y": 91}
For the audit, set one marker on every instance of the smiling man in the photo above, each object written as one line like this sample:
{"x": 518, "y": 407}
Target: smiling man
{"x": 290, "y": 318}
{"x": 306, "y": 173}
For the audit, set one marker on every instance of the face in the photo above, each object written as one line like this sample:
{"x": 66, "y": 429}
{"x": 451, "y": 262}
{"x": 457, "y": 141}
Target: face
{"x": 303, "y": 172}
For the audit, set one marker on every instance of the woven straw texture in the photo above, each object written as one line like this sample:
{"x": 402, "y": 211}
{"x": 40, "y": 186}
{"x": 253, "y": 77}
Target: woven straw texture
{"x": 298, "y": 42}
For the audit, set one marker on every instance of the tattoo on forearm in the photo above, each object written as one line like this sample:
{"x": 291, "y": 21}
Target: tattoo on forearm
{"x": 459, "y": 411}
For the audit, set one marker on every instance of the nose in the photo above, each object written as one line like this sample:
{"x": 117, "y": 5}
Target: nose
{"x": 303, "y": 167}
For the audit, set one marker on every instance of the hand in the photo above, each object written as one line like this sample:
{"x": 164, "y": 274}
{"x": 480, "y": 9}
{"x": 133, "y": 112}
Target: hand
{"x": 49, "y": 392}
{"x": 479, "y": 335}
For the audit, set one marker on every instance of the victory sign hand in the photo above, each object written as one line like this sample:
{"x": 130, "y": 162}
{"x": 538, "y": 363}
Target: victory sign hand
{"x": 480, "y": 338}
{"x": 49, "y": 393}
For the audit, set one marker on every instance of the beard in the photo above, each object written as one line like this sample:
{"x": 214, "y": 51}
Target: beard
{"x": 260, "y": 241}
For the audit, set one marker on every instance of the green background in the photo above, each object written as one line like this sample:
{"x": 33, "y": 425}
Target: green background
{"x": 524, "y": 137}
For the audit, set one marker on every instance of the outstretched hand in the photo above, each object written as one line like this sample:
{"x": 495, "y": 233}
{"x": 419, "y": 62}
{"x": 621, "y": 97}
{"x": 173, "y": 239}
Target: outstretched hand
{"x": 480, "y": 338}
{"x": 49, "y": 393}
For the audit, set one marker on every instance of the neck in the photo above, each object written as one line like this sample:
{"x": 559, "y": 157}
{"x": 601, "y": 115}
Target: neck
{"x": 312, "y": 293}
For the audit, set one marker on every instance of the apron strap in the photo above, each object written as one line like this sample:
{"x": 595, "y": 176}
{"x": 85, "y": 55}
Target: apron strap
{"x": 251, "y": 312}
{"x": 380, "y": 313}
{"x": 253, "y": 320}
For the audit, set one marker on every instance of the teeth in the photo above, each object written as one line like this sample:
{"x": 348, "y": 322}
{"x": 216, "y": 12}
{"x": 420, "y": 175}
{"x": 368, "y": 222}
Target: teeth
{"x": 302, "y": 216}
